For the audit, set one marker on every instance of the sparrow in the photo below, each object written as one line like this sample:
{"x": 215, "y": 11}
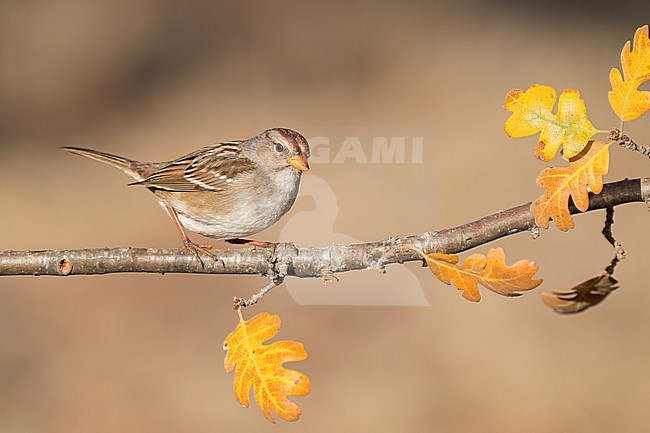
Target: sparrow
{"x": 228, "y": 190}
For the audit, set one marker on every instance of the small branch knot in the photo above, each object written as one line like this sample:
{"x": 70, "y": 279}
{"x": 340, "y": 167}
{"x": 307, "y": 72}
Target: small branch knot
{"x": 535, "y": 231}
{"x": 65, "y": 267}
{"x": 282, "y": 259}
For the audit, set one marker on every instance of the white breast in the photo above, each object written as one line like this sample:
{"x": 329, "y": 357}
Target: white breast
{"x": 251, "y": 214}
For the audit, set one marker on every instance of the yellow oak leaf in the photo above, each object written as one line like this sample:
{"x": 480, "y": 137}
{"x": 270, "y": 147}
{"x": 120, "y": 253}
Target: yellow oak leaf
{"x": 490, "y": 271}
{"x": 560, "y": 183}
{"x": 625, "y": 98}
{"x": 260, "y": 366}
{"x": 532, "y": 113}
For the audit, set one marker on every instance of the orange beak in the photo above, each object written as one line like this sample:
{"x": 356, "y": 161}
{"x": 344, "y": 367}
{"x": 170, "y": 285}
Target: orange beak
{"x": 298, "y": 162}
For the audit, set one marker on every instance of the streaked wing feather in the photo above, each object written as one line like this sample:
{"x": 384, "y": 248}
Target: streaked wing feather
{"x": 208, "y": 168}
{"x": 218, "y": 166}
{"x": 170, "y": 178}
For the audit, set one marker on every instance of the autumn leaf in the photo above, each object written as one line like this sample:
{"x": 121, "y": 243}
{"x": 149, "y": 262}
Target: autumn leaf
{"x": 491, "y": 272}
{"x": 583, "y": 295}
{"x": 532, "y": 113}
{"x": 260, "y": 366}
{"x": 560, "y": 183}
{"x": 625, "y": 98}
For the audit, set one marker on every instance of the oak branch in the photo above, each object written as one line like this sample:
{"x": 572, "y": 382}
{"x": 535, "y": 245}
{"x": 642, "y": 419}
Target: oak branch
{"x": 310, "y": 262}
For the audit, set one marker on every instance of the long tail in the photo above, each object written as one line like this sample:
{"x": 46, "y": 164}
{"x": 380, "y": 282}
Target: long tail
{"x": 137, "y": 170}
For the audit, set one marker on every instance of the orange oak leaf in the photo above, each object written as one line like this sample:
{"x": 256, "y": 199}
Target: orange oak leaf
{"x": 560, "y": 183}
{"x": 625, "y": 98}
{"x": 532, "y": 113}
{"x": 260, "y": 366}
{"x": 490, "y": 271}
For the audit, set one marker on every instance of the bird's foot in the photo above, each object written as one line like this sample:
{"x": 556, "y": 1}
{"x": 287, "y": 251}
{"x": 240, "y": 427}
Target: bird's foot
{"x": 197, "y": 250}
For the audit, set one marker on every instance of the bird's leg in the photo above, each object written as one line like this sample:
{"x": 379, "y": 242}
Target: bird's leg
{"x": 194, "y": 248}
{"x": 252, "y": 243}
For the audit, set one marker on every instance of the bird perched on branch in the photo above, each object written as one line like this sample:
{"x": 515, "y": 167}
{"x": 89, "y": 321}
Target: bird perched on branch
{"x": 224, "y": 191}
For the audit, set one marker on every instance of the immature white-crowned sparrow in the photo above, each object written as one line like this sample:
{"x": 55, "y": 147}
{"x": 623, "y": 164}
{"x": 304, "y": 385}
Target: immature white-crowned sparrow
{"x": 224, "y": 191}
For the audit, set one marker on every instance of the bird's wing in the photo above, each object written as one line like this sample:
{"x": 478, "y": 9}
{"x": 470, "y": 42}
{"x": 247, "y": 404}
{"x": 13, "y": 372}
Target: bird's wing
{"x": 211, "y": 168}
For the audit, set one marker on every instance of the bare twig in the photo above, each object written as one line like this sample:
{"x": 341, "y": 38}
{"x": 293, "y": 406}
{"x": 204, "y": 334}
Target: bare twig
{"x": 626, "y": 142}
{"x": 291, "y": 260}
{"x": 607, "y": 232}
{"x": 240, "y": 303}
{"x": 594, "y": 290}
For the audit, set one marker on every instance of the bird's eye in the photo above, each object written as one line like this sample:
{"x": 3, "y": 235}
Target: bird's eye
{"x": 279, "y": 147}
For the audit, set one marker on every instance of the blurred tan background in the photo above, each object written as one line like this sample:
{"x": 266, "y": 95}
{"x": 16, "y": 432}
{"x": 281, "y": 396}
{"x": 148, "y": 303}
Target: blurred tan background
{"x": 153, "y": 80}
